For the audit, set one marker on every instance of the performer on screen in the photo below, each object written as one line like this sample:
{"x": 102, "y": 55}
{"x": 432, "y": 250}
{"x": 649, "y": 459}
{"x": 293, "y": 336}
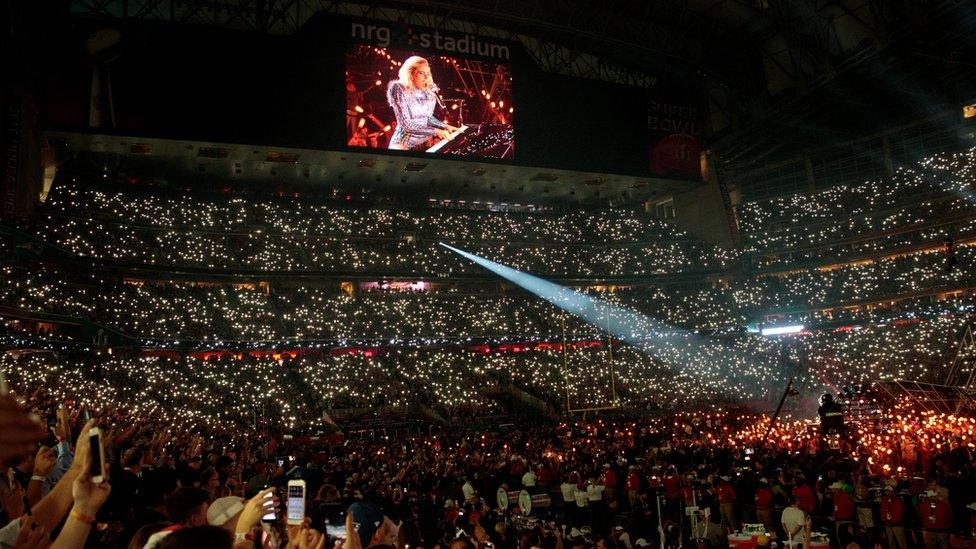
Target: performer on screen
{"x": 413, "y": 97}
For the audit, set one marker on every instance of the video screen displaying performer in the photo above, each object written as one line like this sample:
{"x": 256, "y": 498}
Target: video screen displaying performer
{"x": 422, "y": 102}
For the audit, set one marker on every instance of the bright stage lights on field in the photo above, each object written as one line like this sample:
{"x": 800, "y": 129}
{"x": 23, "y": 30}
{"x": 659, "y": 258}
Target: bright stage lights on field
{"x": 782, "y": 330}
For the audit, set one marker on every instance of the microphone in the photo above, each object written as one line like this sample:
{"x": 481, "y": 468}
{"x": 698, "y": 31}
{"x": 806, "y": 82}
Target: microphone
{"x": 434, "y": 89}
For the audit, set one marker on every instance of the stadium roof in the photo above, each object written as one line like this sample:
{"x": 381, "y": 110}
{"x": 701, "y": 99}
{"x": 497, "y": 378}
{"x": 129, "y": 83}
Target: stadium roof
{"x": 778, "y": 75}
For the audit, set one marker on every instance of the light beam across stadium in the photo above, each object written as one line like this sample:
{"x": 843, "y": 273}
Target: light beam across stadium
{"x": 677, "y": 347}
{"x": 588, "y": 308}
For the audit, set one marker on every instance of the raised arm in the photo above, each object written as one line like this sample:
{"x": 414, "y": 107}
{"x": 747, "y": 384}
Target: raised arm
{"x": 87, "y": 497}
{"x": 51, "y": 509}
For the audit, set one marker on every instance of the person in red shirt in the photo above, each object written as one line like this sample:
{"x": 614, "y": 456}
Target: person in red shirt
{"x": 688, "y": 491}
{"x": 764, "y": 504}
{"x": 936, "y": 521}
{"x": 672, "y": 493}
{"x": 451, "y": 511}
{"x": 672, "y": 486}
{"x": 633, "y": 485}
{"x": 725, "y": 494}
{"x": 893, "y": 518}
{"x": 843, "y": 513}
{"x": 544, "y": 476}
{"x": 609, "y": 481}
{"x": 805, "y": 498}
{"x": 609, "y": 477}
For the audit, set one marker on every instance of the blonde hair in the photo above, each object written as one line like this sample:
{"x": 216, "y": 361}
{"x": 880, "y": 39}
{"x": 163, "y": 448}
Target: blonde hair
{"x": 407, "y": 68}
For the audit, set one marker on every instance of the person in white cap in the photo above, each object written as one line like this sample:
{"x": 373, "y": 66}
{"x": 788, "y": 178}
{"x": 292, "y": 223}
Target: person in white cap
{"x": 224, "y": 512}
{"x": 620, "y": 538}
{"x": 936, "y": 517}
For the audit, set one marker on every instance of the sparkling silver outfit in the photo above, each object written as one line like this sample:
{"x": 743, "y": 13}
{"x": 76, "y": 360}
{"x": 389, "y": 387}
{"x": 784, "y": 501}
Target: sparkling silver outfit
{"x": 414, "y": 111}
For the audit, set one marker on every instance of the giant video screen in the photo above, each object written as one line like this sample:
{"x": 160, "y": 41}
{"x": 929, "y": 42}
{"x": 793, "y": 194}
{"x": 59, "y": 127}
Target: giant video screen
{"x": 435, "y": 104}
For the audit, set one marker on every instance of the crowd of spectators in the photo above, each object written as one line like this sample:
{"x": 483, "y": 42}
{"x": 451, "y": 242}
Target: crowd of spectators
{"x": 194, "y": 435}
{"x": 460, "y": 377}
{"x": 918, "y": 205}
{"x": 273, "y": 235}
{"x": 907, "y": 482}
{"x": 190, "y": 311}
{"x": 877, "y": 280}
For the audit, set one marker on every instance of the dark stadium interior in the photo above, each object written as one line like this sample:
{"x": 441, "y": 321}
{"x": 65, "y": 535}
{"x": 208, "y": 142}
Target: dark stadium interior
{"x": 488, "y": 275}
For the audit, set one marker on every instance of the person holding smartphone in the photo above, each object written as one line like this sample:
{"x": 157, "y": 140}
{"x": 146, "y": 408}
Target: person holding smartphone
{"x": 88, "y": 497}
{"x": 52, "y": 509}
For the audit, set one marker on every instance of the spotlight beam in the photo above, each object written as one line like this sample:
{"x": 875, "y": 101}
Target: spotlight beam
{"x": 588, "y": 308}
{"x": 683, "y": 351}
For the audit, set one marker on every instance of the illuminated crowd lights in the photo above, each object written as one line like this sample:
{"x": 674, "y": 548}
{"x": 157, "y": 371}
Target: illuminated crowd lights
{"x": 643, "y": 375}
{"x": 653, "y": 337}
{"x": 885, "y": 344}
{"x": 251, "y": 362}
{"x": 841, "y": 221}
{"x": 232, "y": 400}
{"x": 875, "y": 280}
{"x": 304, "y": 236}
{"x": 908, "y": 339}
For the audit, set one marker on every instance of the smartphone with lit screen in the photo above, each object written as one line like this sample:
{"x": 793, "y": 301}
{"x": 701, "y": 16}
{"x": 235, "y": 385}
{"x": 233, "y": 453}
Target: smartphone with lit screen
{"x": 296, "y": 501}
{"x": 97, "y": 455}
